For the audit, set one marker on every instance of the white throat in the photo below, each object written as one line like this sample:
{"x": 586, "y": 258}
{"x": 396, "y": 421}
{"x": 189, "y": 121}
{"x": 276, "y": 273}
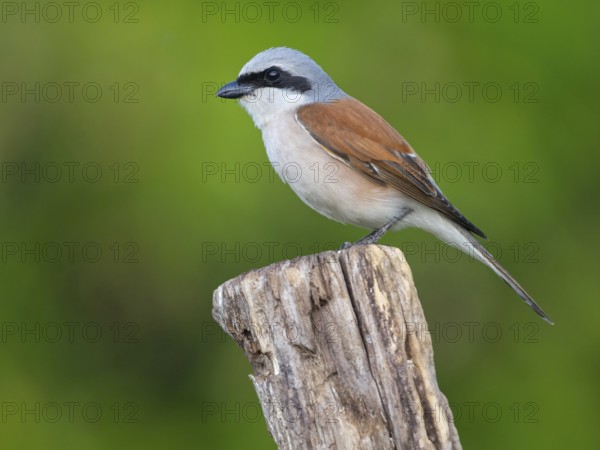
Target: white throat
{"x": 266, "y": 104}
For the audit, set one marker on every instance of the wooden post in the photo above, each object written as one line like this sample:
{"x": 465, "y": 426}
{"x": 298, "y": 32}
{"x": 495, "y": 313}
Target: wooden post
{"x": 340, "y": 352}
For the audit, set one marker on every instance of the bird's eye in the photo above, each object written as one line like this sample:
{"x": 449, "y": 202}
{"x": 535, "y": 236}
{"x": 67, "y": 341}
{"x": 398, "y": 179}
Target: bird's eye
{"x": 272, "y": 75}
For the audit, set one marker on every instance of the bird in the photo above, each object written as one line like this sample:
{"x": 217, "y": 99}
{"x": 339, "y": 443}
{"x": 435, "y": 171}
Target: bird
{"x": 349, "y": 163}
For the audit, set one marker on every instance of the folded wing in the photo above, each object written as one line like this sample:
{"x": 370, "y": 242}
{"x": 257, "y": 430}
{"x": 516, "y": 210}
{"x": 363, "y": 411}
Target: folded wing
{"x": 359, "y": 137}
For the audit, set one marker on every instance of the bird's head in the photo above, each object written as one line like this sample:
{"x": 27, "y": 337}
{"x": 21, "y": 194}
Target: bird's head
{"x": 278, "y": 80}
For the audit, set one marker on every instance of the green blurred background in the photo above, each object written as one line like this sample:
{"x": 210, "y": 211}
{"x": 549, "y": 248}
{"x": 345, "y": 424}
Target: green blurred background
{"x": 119, "y": 218}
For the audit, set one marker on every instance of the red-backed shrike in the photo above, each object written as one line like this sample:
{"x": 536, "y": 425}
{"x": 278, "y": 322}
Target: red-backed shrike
{"x": 351, "y": 165}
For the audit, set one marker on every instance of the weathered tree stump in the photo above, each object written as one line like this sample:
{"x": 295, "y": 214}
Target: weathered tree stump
{"x": 340, "y": 360}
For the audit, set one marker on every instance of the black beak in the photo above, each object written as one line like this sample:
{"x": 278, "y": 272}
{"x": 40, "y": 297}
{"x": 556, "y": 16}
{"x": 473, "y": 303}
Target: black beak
{"x": 234, "y": 90}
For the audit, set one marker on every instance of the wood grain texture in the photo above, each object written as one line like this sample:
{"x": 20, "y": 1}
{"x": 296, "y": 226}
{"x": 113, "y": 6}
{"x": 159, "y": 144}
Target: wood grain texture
{"x": 337, "y": 362}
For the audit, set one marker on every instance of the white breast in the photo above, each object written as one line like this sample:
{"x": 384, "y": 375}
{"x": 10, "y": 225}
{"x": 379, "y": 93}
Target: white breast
{"x": 324, "y": 183}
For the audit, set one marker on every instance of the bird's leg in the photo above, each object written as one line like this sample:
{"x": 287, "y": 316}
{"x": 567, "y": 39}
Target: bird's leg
{"x": 374, "y": 236}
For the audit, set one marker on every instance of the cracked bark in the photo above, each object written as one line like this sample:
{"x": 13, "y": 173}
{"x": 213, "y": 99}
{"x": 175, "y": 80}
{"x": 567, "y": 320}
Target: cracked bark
{"x": 340, "y": 352}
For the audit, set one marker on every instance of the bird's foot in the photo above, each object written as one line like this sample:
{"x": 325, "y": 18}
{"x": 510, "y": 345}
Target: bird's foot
{"x": 369, "y": 239}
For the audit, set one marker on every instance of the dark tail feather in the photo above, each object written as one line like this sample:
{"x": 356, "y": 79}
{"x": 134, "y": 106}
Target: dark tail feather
{"x": 489, "y": 260}
{"x": 503, "y": 273}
